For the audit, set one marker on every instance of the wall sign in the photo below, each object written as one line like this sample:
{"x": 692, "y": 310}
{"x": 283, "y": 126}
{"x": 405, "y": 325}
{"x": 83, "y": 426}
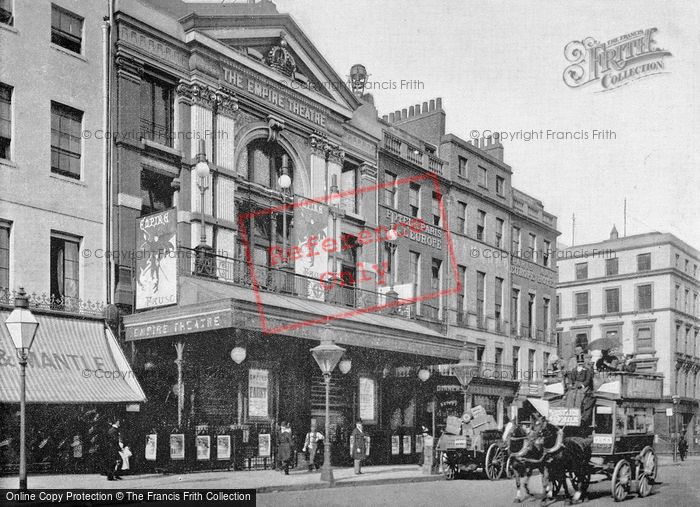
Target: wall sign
{"x": 181, "y": 325}
{"x": 395, "y": 445}
{"x": 156, "y": 260}
{"x": 428, "y": 234}
{"x": 203, "y": 445}
{"x": 264, "y": 446}
{"x": 177, "y": 446}
{"x": 530, "y": 271}
{"x": 223, "y": 447}
{"x": 151, "y": 447}
{"x": 368, "y": 399}
{"x": 258, "y": 392}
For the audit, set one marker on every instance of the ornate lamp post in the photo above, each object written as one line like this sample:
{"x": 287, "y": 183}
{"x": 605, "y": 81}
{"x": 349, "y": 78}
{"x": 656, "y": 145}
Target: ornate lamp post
{"x": 676, "y": 399}
{"x": 463, "y": 370}
{"x": 327, "y": 355}
{"x": 391, "y": 242}
{"x": 22, "y": 327}
{"x": 204, "y": 253}
{"x": 285, "y": 183}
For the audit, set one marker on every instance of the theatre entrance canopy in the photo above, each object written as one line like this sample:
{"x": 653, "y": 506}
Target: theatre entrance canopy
{"x": 73, "y": 360}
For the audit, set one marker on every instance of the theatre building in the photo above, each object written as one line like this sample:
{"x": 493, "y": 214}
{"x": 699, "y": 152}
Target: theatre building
{"x": 232, "y": 284}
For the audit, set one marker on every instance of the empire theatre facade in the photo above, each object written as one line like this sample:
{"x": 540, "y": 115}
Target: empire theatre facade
{"x": 232, "y": 281}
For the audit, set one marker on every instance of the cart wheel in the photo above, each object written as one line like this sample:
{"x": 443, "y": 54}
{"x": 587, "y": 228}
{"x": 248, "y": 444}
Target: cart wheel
{"x": 621, "y": 480}
{"x": 509, "y": 468}
{"x": 647, "y": 464}
{"x": 493, "y": 463}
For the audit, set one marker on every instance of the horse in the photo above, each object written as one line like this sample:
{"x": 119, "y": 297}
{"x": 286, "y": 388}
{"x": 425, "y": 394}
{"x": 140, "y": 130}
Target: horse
{"x": 569, "y": 458}
{"x": 531, "y": 454}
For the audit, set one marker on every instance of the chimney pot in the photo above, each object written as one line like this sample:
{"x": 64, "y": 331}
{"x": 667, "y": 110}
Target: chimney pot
{"x": 438, "y": 103}
{"x": 417, "y": 109}
{"x": 398, "y": 115}
{"x": 404, "y": 113}
{"x": 411, "y": 111}
{"x": 432, "y": 105}
{"x": 391, "y": 117}
{"x": 425, "y": 107}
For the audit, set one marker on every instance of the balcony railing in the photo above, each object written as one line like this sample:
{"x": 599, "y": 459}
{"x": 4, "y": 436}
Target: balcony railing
{"x": 392, "y": 144}
{"x": 413, "y": 154}
{"x": 434, "y": 165}
{"x": 285, "y": 281}
{"x": 60, "y": 304}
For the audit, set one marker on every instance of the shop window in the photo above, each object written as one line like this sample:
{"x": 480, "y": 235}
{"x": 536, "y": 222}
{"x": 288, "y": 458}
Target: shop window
{"x": 156, "y": 192}
{"x": 65, "y": 266}
{"x": 66, "y": 142}
{"x": 66, "y": 28}
{"x": 4, "y": 255}
{"x": 611, "y": 266}
{"x": 644, "y": 262}
{"x": 5, "y": 121}
{"x": 156, "y": 110}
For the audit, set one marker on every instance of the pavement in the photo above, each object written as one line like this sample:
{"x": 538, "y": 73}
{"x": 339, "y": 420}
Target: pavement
{"x": 267, "y": 481}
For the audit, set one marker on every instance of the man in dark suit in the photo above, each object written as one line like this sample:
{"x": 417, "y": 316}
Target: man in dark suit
{"x": 580, "y": 393}
{"x": 358, "y": 446}
{"x": 112, "y": 457}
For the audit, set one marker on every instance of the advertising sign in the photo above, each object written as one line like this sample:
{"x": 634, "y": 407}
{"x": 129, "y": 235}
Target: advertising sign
{"x": 407, "y": 444}
{"x": 311, "y": 221}
{"x": 156, "y": 261}
{"x": 177, "y": 446}
{"x": 264, "y": 447}
{"x": 367, "y": 399}
{"x": 562, "y": 416}
{"x": 395, "y": 444}
{"x": 223, "y": 447}
{"x": 151, "y": 447}
{"x": 203, "y": 444}
{"x": 258, "y": 392}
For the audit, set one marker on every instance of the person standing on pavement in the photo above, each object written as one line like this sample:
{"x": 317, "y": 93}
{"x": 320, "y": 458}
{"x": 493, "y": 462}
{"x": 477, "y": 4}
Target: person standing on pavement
{"x": 682, "y": 447}
{"x": 312, "y": 446}
{"x": 284, "y": 447}
{"x": 112, "y": 457}
{"x": 358, "y": 446}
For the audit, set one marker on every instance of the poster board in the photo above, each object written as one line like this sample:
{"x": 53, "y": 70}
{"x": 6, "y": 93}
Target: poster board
{"x": 151, "y": 447}
{"x": 203, "y": 445}
{"x": 177, "y": 446}
{"x": 223, "y": 447}
{"x": 407, "y": 444}
{"x": 156, "y": 262}
{"x": 368, "y": 400}
{"x": 419, "y": 443}
{"x": 258, "y": 392}
{"x": 395, "y": 445}
{"x": 264, "y": 445}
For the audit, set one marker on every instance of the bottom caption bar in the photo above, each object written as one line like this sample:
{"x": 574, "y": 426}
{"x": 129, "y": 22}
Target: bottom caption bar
{"x": 239, "y": 497}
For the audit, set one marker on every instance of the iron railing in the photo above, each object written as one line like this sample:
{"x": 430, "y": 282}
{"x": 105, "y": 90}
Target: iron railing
{"x": 50, "y": 302}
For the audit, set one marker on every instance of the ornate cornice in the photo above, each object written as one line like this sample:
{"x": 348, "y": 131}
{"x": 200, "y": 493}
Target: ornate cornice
{"x": 128, "y": 67}
{"x": 275, "y": 125}
{"x": 218, "y": 100}
{"x": 321, "y": 145}
{"x": 368, "y": 170}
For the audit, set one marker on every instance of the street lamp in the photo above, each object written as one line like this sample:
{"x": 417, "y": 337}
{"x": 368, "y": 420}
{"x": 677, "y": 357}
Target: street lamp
{"x": 285, "y": 182}
{"x": 463, "y": 370}
{"x": 204, "y": 251}
{"x": 391, "y": 242}
{"x": 22, "y": 327}
{"x": 327, "y": 355}
{"x": 676, "y": 399}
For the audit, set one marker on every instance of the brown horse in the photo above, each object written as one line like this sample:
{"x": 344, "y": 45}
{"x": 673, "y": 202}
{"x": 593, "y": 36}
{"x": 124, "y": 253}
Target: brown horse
{"x": 528, "y": 452}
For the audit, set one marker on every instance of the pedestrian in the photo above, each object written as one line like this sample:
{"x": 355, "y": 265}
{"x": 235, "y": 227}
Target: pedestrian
{"x": 313, "y": 445}
{"x": 682, "y": 447}
{"x": 358, "y": 446}
{"x": 425, "y": 432}
{"x": 284, "y": 447}
{"x": 112, "y": 460}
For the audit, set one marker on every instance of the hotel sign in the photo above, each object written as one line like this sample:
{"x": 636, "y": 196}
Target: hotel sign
{"x": 180, "y": 325}
{"x": 273, "y": 94}
{"x": 429, "y": 235}
{"x": 530, "y": 271}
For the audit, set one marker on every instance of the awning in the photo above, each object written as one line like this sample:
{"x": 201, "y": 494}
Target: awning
{"x": 72, "y": 360}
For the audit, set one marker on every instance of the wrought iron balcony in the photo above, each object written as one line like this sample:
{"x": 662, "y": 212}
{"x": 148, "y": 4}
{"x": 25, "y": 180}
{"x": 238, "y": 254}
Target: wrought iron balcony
{"x": 50, "y": 302}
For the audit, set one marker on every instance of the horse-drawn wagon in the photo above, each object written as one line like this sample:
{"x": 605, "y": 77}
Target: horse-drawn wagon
{"x": 618, "y": 443}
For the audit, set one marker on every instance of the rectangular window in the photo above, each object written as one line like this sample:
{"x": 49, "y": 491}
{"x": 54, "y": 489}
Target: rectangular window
{"x": 612, "y": 300}
{"x": 516, "y": 362}
{"x": 515, "y": 311}
{"x": 686, "y": 301}
{"x": 498, "y": 300}
{"x": 435, "y": 274}
{"x": 676, "y": 303}
{"x": 499, "y": 232}
{"x": 531, "y": 362}
{"x": 581, "y": 271}
{"x": 65, "y": 266}
{"x": 545, "y": 361}
{"x": 462, "y": 167}
{"x": 483, "y": 177}
{"x": 582, "y": 304}
{"x": 546, "y": 252}
{"x": 498, "y": 356}
{"x": 66, "y": 141}
{"x": 415, "y": 272}
{"x": 66, "y": 29}
{"x": 4, "y": 256}
{"x": 462, "y": 217}
{"x": 581, "y": 340}
{"x": 644, "y": 262}
{"x": 437, "y": 215}
{"x": 390, "y": 190}
{"x": 515, "y": 238}
{"x": 348, "y": 183}
{"x": 480, "y": 289}
{"x": 687, "y": 265}
{"x": 500, "y": 185}
{"x": 644, "y": 297}
{"x": 414, "y": 199}
{"x": 533, "y": 247}
{"x": 6, "y": 12}
{"x": 156, "y": 110}
{"x": 480, "y": 225}
{"x": 644, "y": 340}
{"x": 611, "y": 266}
{"x": 156, "y": 192}
{"x": 5, "y": 121}
{"x": 545, "y": 317}
{"x": 558, "y": 305}
{"x": 461, "y": 272}
{"x": 678, "y": 259}
{"x": 531, "y": 315}
{"x": 390, "y": 257}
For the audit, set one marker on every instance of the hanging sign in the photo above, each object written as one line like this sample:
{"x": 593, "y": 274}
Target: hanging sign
{"x": 156, "y": 260}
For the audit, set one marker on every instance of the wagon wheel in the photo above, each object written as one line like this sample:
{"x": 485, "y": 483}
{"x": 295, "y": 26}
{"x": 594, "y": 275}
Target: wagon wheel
{"x": 509, "y": 468}
{"x": 449, "y": 467}
{"x": 621, "y": 480}
{"x": 494, "y": 462}
{"x": 646, "y": 471}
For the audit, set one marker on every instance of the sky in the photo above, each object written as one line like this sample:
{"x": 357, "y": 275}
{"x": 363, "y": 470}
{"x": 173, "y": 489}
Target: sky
{"x": 499, "y": 66}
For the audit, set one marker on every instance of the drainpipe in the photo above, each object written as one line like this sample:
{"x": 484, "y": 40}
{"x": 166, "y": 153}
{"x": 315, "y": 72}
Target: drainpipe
{"x": 105, "y": 152}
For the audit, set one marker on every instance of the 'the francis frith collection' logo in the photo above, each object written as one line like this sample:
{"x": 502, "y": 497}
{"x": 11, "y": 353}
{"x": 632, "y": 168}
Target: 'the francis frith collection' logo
{"x": 614, "y": 63}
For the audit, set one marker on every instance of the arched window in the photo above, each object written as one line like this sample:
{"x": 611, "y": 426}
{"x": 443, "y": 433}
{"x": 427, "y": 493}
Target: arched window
{"x": 265, "y": 160}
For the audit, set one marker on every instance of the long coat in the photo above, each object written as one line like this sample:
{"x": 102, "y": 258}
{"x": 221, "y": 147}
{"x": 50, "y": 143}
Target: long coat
{"x": 357, "y": 444}
{"x": 284, "y": 446}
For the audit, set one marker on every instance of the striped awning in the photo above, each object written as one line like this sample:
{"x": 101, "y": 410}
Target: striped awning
{"x": 72, "y": 360}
